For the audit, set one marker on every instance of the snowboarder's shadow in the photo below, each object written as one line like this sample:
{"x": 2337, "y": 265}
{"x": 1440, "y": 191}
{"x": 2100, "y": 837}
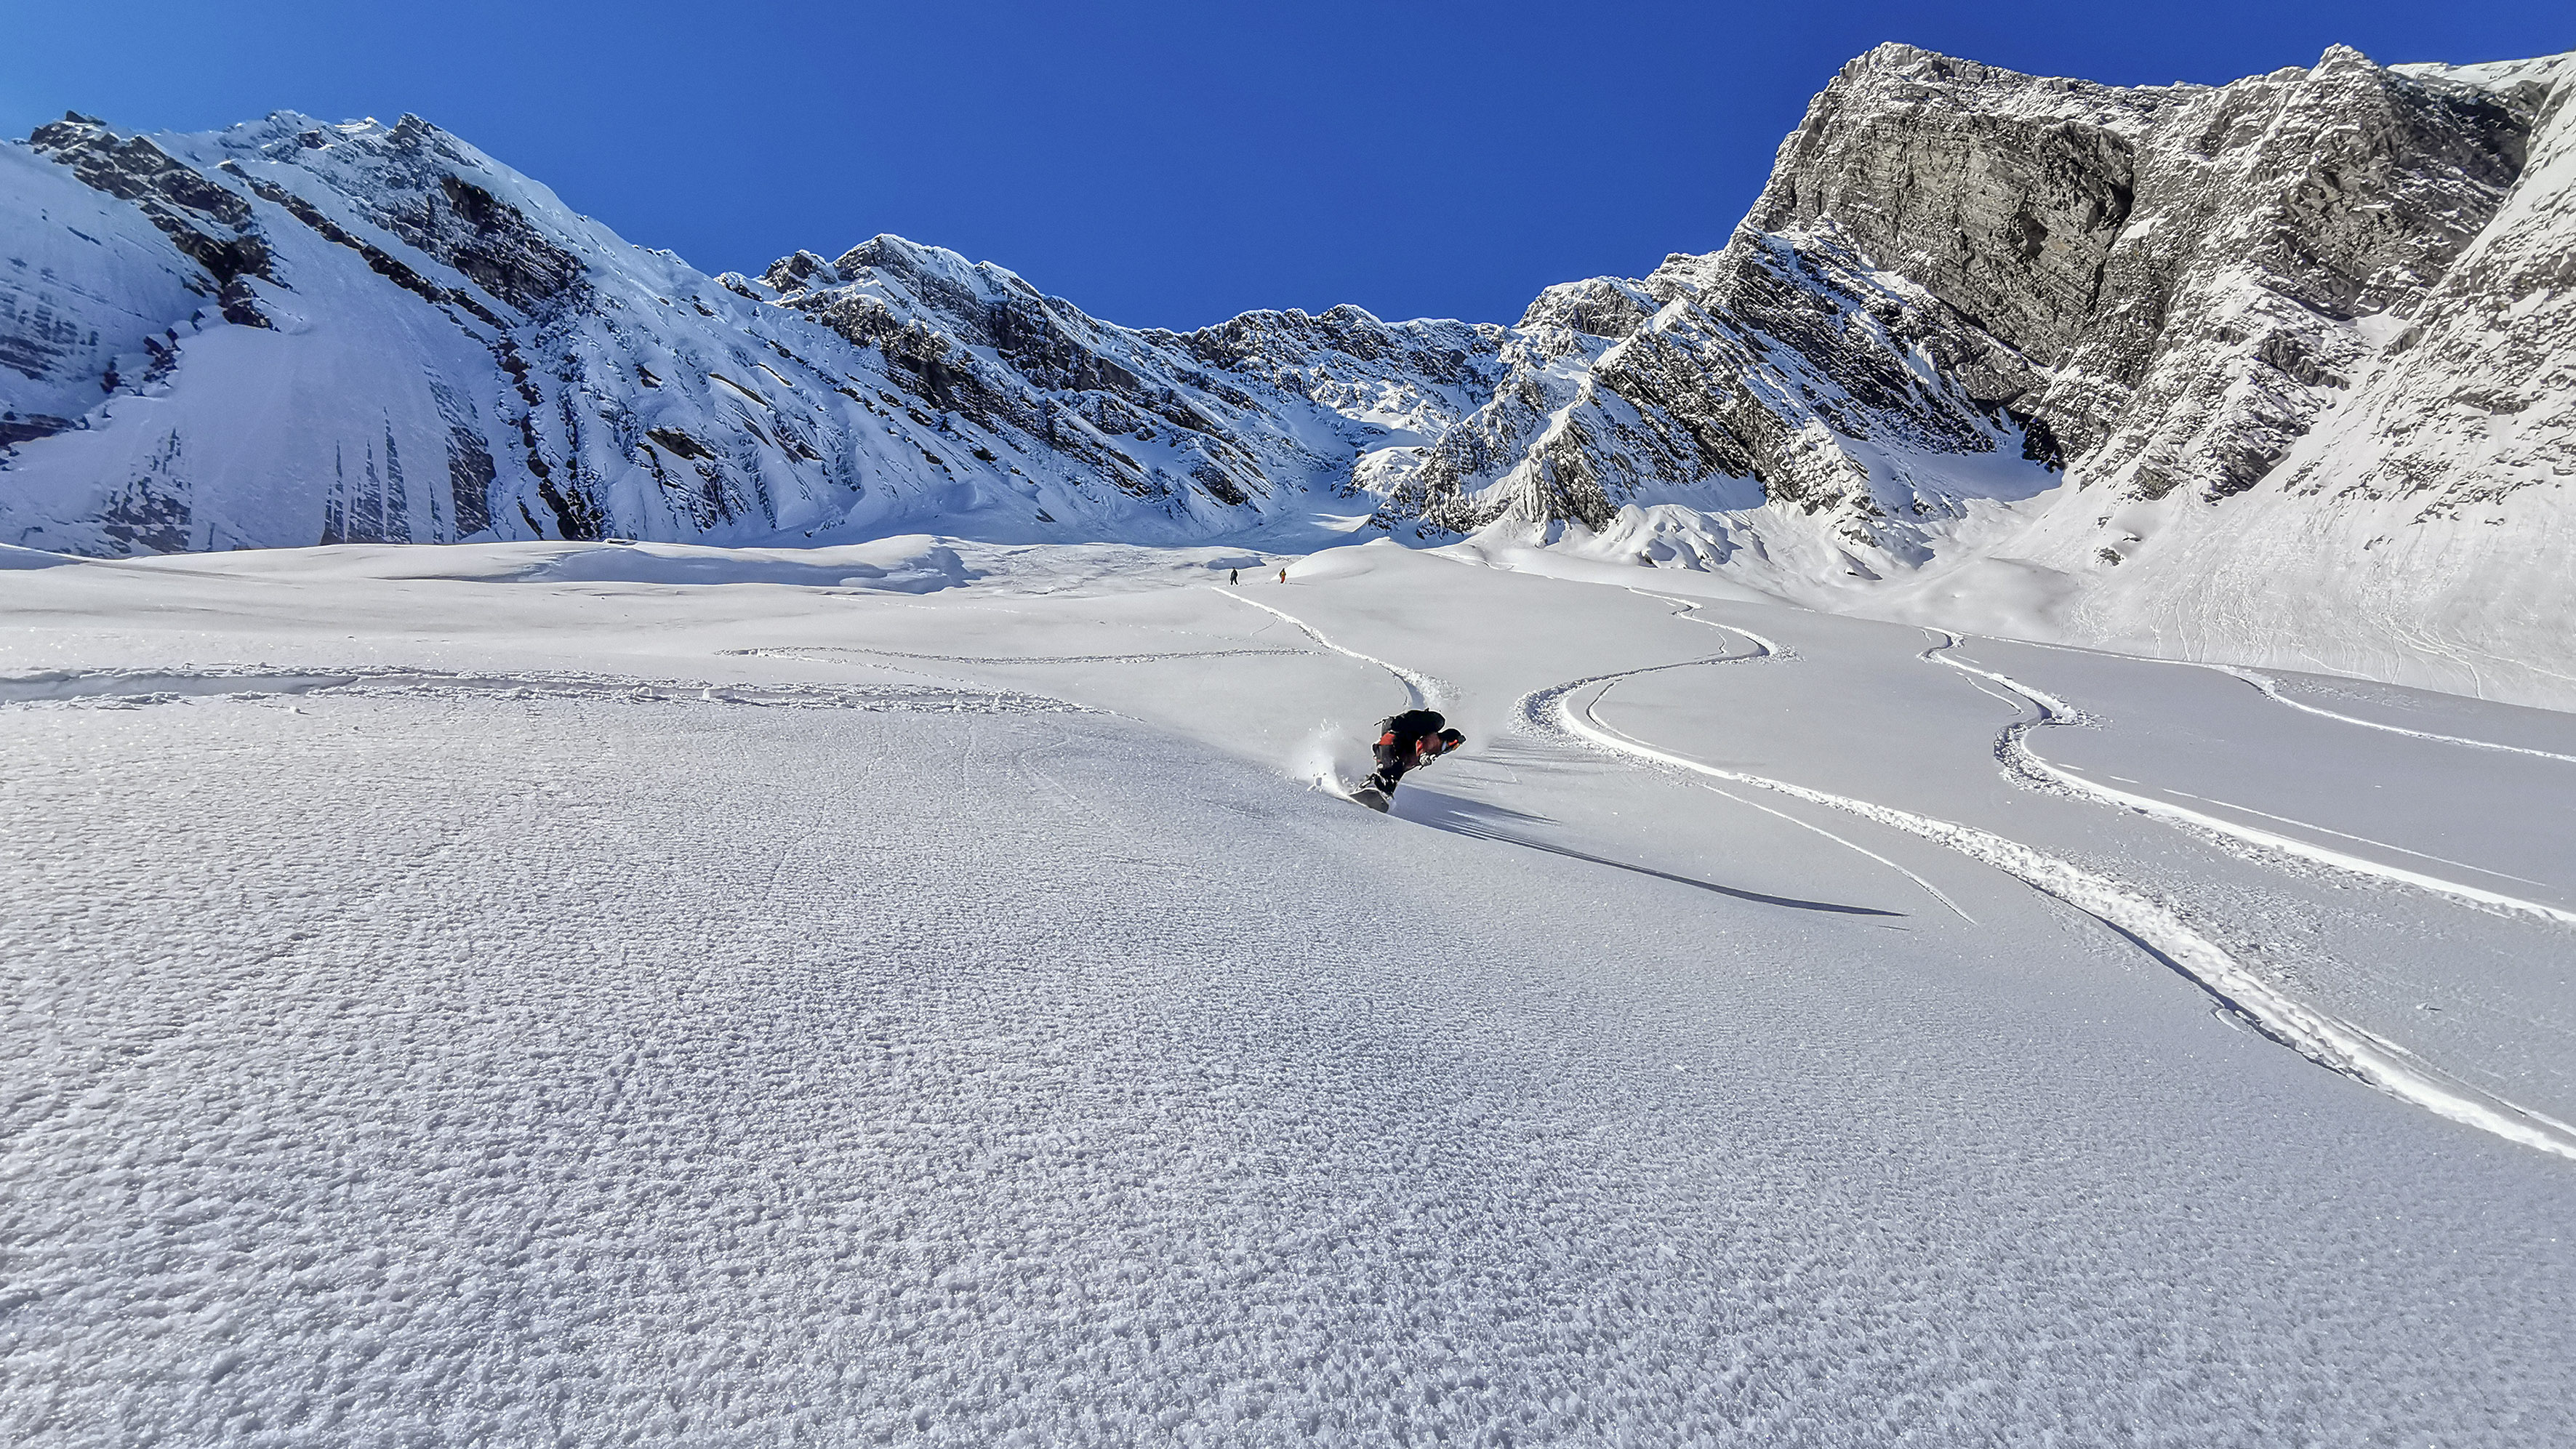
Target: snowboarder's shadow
{"x": 1490, "y": 822}
{"x": 1465, "y": 817}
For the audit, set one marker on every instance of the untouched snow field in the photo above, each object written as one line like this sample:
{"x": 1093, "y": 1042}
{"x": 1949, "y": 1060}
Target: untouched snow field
{"x": 537, "y": 993}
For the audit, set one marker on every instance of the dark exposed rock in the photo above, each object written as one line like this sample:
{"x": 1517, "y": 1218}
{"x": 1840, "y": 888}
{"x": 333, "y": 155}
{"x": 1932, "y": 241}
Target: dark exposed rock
{"x": 151, "y": 513}
{"x": 27, "y": 427}
{"x": 2155, "y": 287}
{"x": 240, "y": 305}
{"x": 470, "y": 470}
{"x": 490, "y": 241}
{"x": 141, "y": 519}
{"x": 1998, "y": 193}
{"x": 134, "y": 169}
{"x": 679, "y": 443}
{"x": 205, "y": 221}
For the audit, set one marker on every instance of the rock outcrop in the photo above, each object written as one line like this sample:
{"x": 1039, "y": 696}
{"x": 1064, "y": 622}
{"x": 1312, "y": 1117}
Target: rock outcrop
{"x": 443, "y": 351}
{"x": 2159, "y": 288}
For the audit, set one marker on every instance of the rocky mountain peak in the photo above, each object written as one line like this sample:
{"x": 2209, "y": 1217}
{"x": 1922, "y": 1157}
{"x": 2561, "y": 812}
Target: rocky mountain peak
{"x": 1598, "y": 307}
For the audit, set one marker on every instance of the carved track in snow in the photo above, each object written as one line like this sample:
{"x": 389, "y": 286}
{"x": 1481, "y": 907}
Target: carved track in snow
{"x": 1420, "y": 689}
{"x": 1688, "y": 609}
{"x": 127, "y": 689}
{"x": 2271, "y": 690}
{"x": 2012, "y": 748}
{"x": 810, "y": 654}
{"x": 1763, "y": 649}
{"x": 1569, "y": 710}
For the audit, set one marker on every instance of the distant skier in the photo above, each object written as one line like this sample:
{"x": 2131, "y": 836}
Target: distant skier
{"x": 1234, "y": 576}
{"x": 1283, "y": 576}
{"x": 1407, "y": 741}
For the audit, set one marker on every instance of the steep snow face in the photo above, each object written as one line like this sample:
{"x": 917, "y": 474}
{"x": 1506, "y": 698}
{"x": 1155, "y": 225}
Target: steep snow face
{"x": 2420, "y": 530}
{"x": 2474, "y": 398}
{"x": 292, "y": 333}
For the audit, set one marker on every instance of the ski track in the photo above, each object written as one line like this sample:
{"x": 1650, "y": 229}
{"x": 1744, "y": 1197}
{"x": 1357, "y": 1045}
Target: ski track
{"x": 2330, "y": 1042}
{"x": 1422, "y": 690}
{"x": 808, "y": 654}
{"x": 1689, "y": 609}
{"x": 1767, "y": 649}
{"x": 2341, "y": 834}
{"x": 2270, "y": 689}
{"x": 1929, "y": 888}
{"x": 2012, "y": 748}
{"x": 131, "y": 689}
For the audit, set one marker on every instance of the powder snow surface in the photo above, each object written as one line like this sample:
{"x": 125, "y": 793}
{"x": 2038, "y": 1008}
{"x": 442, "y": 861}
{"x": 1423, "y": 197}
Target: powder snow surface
{"x": 525, "y": 994}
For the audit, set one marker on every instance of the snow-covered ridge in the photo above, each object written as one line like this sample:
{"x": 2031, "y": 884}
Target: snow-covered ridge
{"x": 2276, "y": 372}
{"x": 291, "y": 332}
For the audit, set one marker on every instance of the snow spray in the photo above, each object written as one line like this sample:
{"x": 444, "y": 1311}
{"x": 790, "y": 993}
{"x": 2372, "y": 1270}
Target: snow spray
{"x": 1332, "y": 756}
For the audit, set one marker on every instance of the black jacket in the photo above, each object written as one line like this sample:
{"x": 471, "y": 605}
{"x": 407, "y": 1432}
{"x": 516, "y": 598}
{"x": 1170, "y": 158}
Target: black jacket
{"x": 1400, "y": 733}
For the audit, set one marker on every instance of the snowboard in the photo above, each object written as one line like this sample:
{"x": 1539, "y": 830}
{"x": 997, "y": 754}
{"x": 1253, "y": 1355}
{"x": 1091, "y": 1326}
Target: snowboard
{"x": 1371, "y": 796}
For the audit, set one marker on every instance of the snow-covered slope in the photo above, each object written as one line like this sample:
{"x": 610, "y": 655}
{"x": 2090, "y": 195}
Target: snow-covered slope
{"x": 508, "y": 994}
{"x": 2276, "y": 372}
{"x": 290, "y": 333}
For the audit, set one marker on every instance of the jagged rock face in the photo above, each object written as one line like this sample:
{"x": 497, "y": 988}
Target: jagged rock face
{"x": 1998, "y": 193}
{"x": 1216, "y": 410}
{"x": 2474, "y": 399}
{"x": 2272, "y": 215}
{"x": 2186, "y": 261}
{"x": 204, "y": 221}
{"x": 1413, "y": 379}
{"x": 1784, "y": 369}
{"x": 410, "y": 344}
{"x": 2160, "y": 287}
{"x": 451, "y": 354}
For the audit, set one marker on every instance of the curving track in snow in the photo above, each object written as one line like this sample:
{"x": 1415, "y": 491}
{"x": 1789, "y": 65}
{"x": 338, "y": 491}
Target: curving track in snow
{"x": 125, "y": 689}
{"x": 833, "y": 654}
{"x": 1421, "y": 690}
{"x": 1570, "y": 710}
{"x": 2271, "y": 689}
{"x": 2012, "y": 748}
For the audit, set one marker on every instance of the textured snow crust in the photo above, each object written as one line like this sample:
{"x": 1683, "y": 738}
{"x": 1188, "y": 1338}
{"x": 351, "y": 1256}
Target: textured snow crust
{"x": 467, "y": 1005}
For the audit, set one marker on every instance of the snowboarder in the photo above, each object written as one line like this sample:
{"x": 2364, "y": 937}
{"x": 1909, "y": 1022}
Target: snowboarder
{"x": 1234, "y": 576}
{"x": 1283, "y": 576}
{"x": 1407, "y": 741}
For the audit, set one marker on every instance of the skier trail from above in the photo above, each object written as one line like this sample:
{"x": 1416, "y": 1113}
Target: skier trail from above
{"x": 1426, "y": 726}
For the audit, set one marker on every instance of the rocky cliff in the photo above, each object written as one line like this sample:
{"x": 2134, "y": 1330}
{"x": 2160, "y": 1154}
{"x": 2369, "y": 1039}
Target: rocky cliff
{"x": 2035, "y": 355}
{"x": 2282, "y": 371}
{"x": 2158, "y": 289}
{"x": 294, "y": 333}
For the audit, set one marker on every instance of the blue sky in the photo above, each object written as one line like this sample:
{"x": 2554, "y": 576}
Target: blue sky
{"x": 1160, "y": 164}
